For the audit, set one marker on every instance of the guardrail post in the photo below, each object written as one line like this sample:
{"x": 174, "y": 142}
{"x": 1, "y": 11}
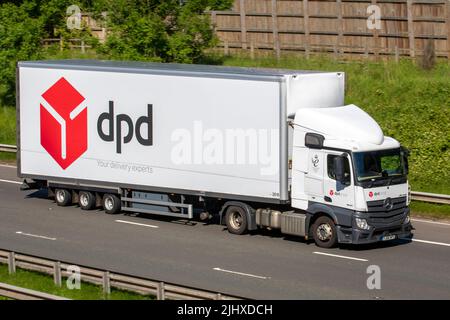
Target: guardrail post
{"x": 11, "y": 263}
{"x": 57, "y": 273}
{"x": 160, "y": 294}
{"x": 106, "y": 283}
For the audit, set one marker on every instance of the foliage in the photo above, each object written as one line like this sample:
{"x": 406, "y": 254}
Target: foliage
{"x": 161, "y": 30}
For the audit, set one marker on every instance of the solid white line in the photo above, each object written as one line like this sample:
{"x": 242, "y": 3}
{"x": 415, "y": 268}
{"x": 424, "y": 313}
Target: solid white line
{"x": 432, "y": 222}
{"x": 432, "y": 242}
{"x": 241, "y": 273}
{"x": 35, "y": 236}
{"x": 10, "y": 181}
{"x": 137, "y": 224}
{"x": 338, "y": 256}
{"x": 8, "y": 166}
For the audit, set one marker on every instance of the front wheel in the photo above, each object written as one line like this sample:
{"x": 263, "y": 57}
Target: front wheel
{"x": 236, "y": 220}
{"x": 324, "y": 232}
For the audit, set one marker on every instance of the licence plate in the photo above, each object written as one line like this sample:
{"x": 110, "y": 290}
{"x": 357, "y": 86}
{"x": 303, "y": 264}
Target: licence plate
{"x": 388, "y": 237}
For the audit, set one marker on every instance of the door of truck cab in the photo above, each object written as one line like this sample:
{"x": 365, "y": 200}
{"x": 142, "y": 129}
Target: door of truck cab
{"x": 340, "y": 194}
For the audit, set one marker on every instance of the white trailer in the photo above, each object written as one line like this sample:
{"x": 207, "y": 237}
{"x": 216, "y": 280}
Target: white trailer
{"x": 248, "y": 145}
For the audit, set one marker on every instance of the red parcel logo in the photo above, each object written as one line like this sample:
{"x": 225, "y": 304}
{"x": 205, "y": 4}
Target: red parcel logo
{"x": 63, "y": 121}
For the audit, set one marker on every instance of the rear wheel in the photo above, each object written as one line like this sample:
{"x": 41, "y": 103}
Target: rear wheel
{"x": 324, "y": 232}
{"x": 111, "y": 203}
{"x": 86, "y": 200}
{"x": 236, "y": 220}
{"x": 63, "y": 197}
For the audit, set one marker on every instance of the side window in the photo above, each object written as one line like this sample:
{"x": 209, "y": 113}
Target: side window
{"x": 330, "y": 168}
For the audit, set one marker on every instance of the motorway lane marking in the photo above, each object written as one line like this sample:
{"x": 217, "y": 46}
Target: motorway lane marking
{"x": 137, "y": 224}
{"x": 10, "y": 181}
{"x": 432, "y": 242}
{"x": 35, "y": 236}
{"x": 242, "y": 273}
{"x": 339, "y": 256}
{"x": 432, "y": 222}
{"x": 8, "y": 166}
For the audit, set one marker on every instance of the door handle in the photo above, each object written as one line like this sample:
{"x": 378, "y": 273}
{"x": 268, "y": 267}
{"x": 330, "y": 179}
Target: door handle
{"x": 327, "y": 199}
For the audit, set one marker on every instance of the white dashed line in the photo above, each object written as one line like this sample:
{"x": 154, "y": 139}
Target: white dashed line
{"x": 10, "y": 181}
{"x": 432, "y": 242}
{"x": 138, "y": 224}
{"x": 241, "y": 273}
{"x": 338, "y": 256}
{"x": 35, "y": 236}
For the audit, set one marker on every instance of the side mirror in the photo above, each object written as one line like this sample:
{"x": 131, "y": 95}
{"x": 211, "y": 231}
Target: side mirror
{"x": 339, "y": 168}
{"x": 314, "y": 140}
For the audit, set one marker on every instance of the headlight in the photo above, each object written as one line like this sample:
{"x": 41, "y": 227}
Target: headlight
{"x": 362, "y": 223}
{"x": 407, "y": 219}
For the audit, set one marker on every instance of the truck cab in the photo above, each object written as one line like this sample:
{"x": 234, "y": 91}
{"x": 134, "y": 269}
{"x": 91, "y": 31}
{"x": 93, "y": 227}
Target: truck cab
{"x": 348, "y": 177}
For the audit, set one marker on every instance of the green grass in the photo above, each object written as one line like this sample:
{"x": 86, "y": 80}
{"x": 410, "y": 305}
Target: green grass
{"x": 43, "y": 283}
{"x": 430, "y": 210}
{"x": 7, "y": 157}
{"x": 7, "y": 125}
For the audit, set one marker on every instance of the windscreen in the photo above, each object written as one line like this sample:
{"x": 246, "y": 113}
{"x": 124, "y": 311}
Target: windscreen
{"x": 379, "y": 164}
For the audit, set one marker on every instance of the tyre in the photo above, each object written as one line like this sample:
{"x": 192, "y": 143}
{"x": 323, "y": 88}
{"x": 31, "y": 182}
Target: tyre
{"x": 86, "y": 200}
{"x": 63, "y": 197}
{"x": 236, "y": 219}
{"x": 324, "y": 232}
{"x": 111, "y": 203}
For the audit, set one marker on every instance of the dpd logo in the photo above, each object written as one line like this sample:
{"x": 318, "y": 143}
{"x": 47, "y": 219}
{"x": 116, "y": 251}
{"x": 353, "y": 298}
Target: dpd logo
{"x": 63, "y": 121}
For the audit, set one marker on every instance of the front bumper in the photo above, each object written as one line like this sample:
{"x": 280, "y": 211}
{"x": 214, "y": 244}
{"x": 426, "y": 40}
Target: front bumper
{"x": 358, "y": 236}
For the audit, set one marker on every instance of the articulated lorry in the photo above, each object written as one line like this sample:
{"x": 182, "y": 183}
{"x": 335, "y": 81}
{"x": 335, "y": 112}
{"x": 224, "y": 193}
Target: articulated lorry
{"x": 256, "y": 148}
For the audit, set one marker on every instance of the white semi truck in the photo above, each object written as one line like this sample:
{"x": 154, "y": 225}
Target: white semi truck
{"x": 259, "y": 148}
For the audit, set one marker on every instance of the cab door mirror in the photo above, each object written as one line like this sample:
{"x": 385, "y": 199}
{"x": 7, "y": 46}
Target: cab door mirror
{"x": 339, "y": 168}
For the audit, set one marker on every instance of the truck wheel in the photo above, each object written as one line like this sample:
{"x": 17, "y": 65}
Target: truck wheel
{"x": 236, "y": 220}
{"x": 63, "y": 197}
{"x": 86, "y": 200}
{"x": 324, "y": 232}
{"x": 111, "y": 203}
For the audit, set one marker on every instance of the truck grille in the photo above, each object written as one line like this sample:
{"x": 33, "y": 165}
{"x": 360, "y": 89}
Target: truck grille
{"x": 381, "y": 215}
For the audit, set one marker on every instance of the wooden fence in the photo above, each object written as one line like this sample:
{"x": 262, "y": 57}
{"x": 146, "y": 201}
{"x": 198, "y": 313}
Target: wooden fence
{"x": 336, "y": 26}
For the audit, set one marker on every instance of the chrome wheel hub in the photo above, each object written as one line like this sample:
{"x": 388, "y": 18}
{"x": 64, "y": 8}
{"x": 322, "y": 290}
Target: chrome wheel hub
{"x": 60, "y": 196}
{"x": 236, "y": 220}
{"x": 109, "y": 204}
{"x": 324, "y": 232}
{"x": 84, "y": 200}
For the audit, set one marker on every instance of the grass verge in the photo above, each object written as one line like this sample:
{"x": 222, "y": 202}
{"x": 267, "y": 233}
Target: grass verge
{"x": 44, "y": 283}
{"x": 430, "y": 210}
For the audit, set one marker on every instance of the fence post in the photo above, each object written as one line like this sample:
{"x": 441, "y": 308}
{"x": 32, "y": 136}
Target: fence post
{"x": 306, "y": 26}
{"x": 106, "y": 283}
{"x": 397, "y": 54}
{"x": 276, "y": 39}
{"x": 412, "y": 45}
{"x": 57, "y": 273}
{"x": 11, "y": 262}
{"x": 61, "y": 44}
{"x": 83, "y": 49}
{"x": 447, "y": 15}
{"x": 226, "y": 51}
{"x": 340, "y": 23}
{"x": 376, "y": 38}
{"x": 160, "y": 293}
{"x": 252, "y": 51}
{"x": 243, "y": 28}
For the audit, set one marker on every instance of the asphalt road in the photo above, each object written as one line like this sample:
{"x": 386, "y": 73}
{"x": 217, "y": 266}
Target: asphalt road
{"x": 263, "y": 265}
